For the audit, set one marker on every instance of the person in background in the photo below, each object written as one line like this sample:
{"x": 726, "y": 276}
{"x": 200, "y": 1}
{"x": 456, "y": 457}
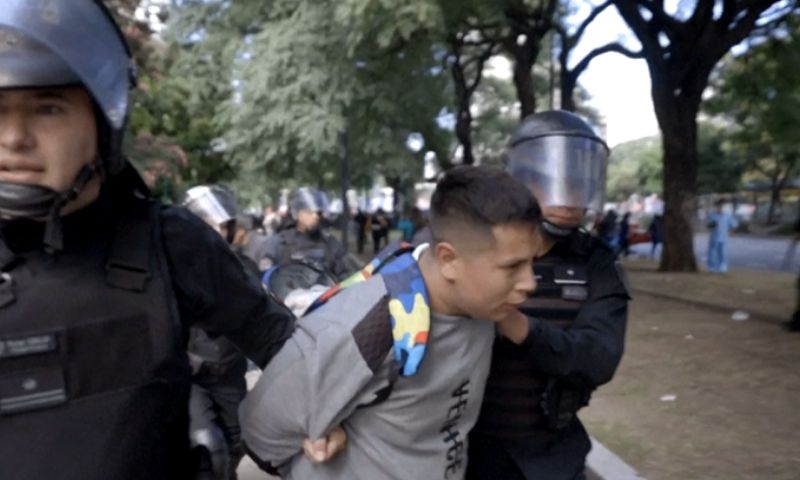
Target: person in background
{"x": 656, "y": 231}
{"x": 623, "y": 242}
{"x": 608, "y": 230}
{"x": 360, "y": 220}
{"x": 218, "y": 383}
{"x": 378, "y": 225}
{"x": 406, "y": 227}
{"x": 720, "y": 223}
{"x": 250, "y": 243}
{"x": 271, "y": 221}
{"x": 306, "y": 240}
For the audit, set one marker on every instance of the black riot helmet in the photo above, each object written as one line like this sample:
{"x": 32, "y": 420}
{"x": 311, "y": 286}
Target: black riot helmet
{"x": 561, "y": 159}
{"x": 57, "y": 43}
{"x": 307, "y": 198}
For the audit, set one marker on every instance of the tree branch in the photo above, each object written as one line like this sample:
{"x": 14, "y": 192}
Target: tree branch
{"x": 662, "y": 20}
{"x": 608, "y": 48}
{"x": 588, "y": 20}
{"x": 629, "y": 10}
{"x": 744, "y": 25}
{"x": 703, "y": 12}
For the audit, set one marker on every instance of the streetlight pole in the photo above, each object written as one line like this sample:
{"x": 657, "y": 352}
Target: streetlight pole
{"x": 344, "y": 180}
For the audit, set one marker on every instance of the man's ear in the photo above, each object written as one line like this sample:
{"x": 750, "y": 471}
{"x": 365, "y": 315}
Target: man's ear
{"x": 447, "y": 258}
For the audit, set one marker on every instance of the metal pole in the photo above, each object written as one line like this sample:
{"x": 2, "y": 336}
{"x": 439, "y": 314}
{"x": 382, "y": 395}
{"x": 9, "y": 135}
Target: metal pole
{"x": 345, "y": 186}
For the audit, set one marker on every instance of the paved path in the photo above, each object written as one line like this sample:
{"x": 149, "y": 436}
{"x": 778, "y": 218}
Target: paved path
{"x": 744, "y": 251}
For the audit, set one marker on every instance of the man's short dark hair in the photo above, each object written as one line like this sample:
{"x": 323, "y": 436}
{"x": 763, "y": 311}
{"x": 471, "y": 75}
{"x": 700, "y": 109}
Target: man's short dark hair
{"x": 481, "y": 198}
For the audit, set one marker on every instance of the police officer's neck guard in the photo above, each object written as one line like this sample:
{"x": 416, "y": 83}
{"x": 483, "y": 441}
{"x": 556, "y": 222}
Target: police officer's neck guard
{"x": 43, "y": 203}
{"x": 557, "y": 232}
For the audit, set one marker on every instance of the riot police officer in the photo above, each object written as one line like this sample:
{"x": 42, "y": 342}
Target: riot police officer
{"x": 97, "y": 284}
{"x": 571, "y": 338}
{"x": 218, "y": 383}
{"x": 305, "y": 240}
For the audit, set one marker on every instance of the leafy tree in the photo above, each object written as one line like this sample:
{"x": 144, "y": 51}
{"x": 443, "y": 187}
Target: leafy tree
{"x": 496, "y": 119}
{"x": 757, "y": 94}
{"x": 681, "y": 50}
{"x": 569, "y": 40}
{"x": 305, "y": 72}
{"x": 635, "y": 167}
{"x": 528, "y": 23}
{"x": 719, "y": 168}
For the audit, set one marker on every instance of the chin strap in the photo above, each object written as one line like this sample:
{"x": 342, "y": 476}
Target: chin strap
{"x": 556, "y": 231}
{"x": 43, "y": 203}
{"x": 53, "y": 235}
{"x": 25, "y": 201}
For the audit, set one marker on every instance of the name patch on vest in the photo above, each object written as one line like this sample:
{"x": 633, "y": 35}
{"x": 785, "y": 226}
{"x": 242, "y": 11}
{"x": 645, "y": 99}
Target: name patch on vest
{"x": 569, "y": 275}
{"x": 27, "y": 345}
{"x": 575, "y": 293}
{"x": 32, "y": 390}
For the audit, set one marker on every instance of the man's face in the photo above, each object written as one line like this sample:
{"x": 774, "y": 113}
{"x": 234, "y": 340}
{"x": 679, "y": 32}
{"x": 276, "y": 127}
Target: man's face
{"x": 568, "y": 217}
{"x": 46, "y": 136}
{"x": 489, "y": 282}
{"x": 307, "y": 220}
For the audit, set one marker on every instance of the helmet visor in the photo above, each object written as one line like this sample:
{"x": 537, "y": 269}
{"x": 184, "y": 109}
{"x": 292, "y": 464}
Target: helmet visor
{"x": 562, "y": 170}
{"x": 308, "y": 199}
{"x": 203, "y": 202}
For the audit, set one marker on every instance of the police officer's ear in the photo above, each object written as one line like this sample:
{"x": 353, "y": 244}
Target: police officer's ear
{"x": 447, "y": 258}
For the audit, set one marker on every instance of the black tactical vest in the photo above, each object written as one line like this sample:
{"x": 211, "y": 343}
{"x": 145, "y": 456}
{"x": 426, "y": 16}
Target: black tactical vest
{"x": 520, "y": 401}
{"x": 300, "y": 246}
{"x": 94, "y": 380}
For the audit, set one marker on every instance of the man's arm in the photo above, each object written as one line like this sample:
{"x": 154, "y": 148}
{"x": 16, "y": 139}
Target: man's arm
{"x": 325, "y": 371}
{"x": 588, "y": 352}
{"x": 216, "y": 294}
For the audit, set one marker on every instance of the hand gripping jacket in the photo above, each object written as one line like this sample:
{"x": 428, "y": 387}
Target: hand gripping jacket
{"x": 93, "y": 379}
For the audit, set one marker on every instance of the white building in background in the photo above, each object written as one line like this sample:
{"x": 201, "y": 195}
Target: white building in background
{"x": 653, "y": 205}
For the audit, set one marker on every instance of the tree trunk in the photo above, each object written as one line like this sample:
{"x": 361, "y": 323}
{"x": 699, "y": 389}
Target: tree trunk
{"x": 464, "y": 134}
{"x": 344, "y": 181}
{"x": 523, "y": 81}
{"x": 463, "y": 115}
{"x": 677, "y": 117}
{"x": 568, "y": 83}
{"x": 774, "y": 202}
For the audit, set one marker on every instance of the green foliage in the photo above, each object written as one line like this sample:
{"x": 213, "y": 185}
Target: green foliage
{"x": 719, "y": 168}
{"x": 268, "y": 94}
{"x": 635, "y": 167}
{"x": 306, "y": 72}
{"x": 172, "y": 129}
{"x": 758, "y": 95}
{"x": 495, "y": 120}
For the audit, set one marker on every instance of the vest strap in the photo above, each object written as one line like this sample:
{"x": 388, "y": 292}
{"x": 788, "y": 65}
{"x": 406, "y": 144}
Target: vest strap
{"x": 128, "y": 265}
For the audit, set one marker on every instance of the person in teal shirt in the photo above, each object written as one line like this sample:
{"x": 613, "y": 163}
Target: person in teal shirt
{"x": 720, "y": 224}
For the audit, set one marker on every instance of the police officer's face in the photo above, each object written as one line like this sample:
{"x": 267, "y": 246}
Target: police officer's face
{"x": 307, "y": 220}
{"x": 492, "y": 280}
{"x": 564, "y": 216}
{"x": 46, "y": 136}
